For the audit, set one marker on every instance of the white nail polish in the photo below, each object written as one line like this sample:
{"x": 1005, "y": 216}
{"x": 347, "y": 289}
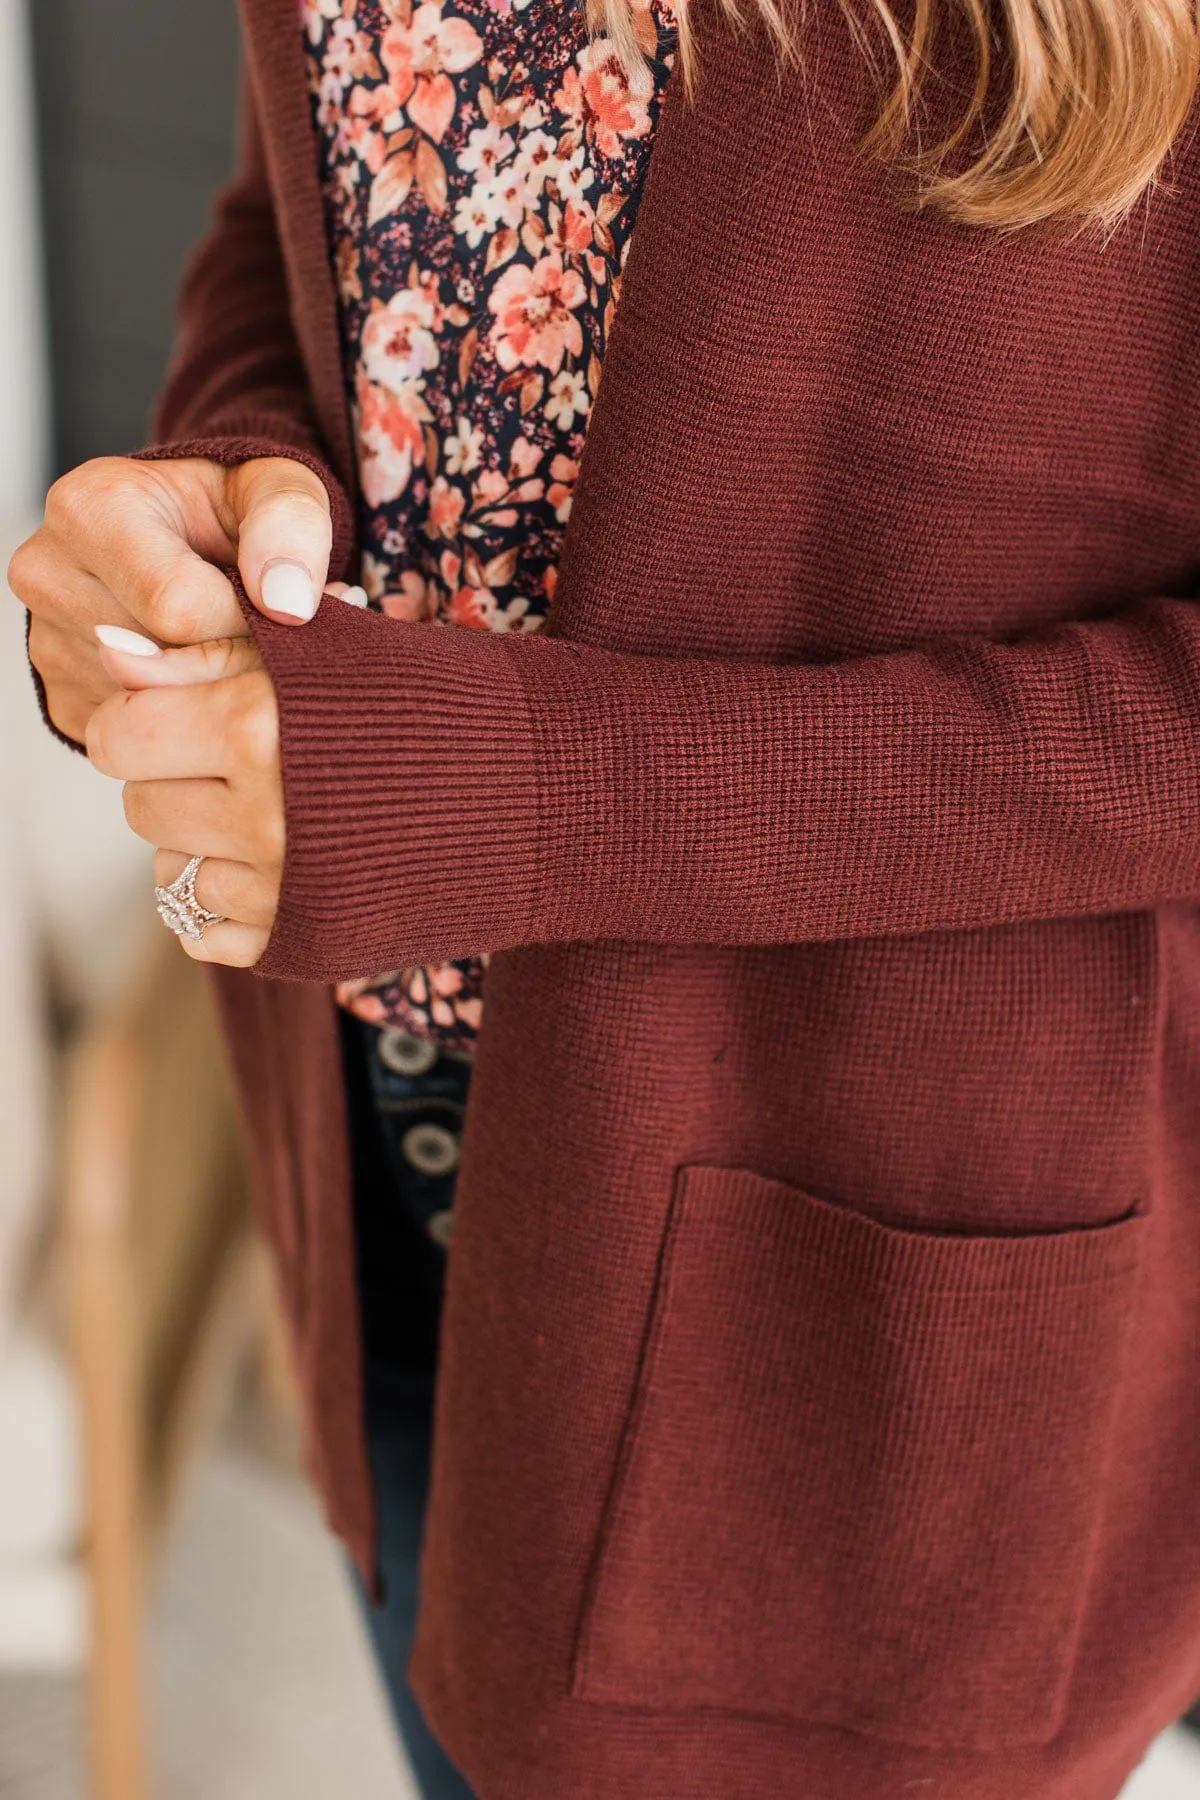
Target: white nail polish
{"x": 287, "y": 588}
{"x": 356, "y": 596}
{"x": 116, "y": 637}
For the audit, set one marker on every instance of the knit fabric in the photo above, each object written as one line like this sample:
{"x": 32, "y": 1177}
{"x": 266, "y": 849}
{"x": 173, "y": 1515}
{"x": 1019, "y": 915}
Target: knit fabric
{"x": 819, "y": 1401}
{"x": 481, "y": 171}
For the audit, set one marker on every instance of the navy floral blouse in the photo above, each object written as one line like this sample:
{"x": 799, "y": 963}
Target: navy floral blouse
{"x": 482, "y": 162}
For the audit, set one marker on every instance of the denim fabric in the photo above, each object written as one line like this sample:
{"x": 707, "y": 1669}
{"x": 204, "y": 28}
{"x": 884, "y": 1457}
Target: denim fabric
{"x": 401, "y": 1213}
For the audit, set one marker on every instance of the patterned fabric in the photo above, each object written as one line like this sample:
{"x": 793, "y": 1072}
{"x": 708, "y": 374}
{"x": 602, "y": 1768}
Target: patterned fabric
{"x": 482, "y": 162}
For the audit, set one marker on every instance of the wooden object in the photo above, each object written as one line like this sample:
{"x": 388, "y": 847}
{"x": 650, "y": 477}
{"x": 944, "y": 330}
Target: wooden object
{"x": 165, "y": 1300}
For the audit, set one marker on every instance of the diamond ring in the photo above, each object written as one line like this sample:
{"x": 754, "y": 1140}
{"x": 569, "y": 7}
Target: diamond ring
{"x": 179, "y": 908}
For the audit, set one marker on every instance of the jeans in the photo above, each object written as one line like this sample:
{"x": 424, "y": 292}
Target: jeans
{"x": 406, "y": 1107}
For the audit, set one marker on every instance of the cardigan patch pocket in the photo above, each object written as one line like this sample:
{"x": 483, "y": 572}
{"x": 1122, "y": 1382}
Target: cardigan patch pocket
{"x": 864, "y": 1470}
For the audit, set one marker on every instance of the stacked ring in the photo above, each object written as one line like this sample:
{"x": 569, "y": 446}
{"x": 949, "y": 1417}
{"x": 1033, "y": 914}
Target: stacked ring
{"x": 178, "y": 907}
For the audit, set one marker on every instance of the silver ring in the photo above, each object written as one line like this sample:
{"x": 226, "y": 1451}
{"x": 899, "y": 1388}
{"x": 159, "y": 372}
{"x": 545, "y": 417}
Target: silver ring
{"x": 178, "y": 907}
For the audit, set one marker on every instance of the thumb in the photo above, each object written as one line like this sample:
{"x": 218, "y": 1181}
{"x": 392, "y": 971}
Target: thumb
{"x": 284, "y": 532}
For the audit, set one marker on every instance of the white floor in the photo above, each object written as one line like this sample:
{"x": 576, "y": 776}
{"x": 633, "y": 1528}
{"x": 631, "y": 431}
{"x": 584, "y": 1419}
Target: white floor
{"x": 1170, "y": 1772}
{"x": 263, "y": 1688}
{"x": 255, "y": 1584}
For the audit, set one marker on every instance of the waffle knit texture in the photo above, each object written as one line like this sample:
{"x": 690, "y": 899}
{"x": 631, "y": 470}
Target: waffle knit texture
{"x": 819, "y": 1409}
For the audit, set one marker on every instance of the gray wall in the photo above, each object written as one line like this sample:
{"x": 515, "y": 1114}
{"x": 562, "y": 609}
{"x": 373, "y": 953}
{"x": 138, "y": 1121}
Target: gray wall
{"x": 136, "y": 106}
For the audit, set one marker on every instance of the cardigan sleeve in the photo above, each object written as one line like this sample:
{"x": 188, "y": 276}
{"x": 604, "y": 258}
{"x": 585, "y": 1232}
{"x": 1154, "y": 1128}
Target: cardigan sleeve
{"x": 452, "y": 792}
{"x": 236, "y": 387}
{"x": 236, "y": 370}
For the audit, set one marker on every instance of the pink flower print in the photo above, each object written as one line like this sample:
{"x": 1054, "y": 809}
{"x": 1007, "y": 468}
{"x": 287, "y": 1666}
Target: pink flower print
{"x": 571, "y": 229}
{"x": 356, "y": 998}
{"x": 469, "y": 1012}
{"x": 479, "y": 610}
{"x": 508, "y": 197}
{"x": 474, "y": 607}
{"x": 516, "y": 617}
{"x": 315, "y": 14}
{"x": 463, "y": 449}
{"x": 568, "y": 396}
{"x": 573, "y": 177}
{"x": 570, "y": 98}
{"x": 374, "y": 573}
{"x": 490, "y": 491}
{"x": 564, "y": 469}
{"x": 597, "y": 96}
{"x": 375, "y": 109}
{"x": 450, "y": 568}
{"x": 475, "y": 216}
{"x": 358, "y": 129}
{"x": 416, "y": 600}
{"x": 491, "y": 485}
{"x": 348, "y": 54}
{"x": 339, "y": 54}
{"x": 445, "y": 979}
{"x": 420, "y": 59}
{"x": 399, "y": 342}
{"x": 486, "y": 150}
{"x": 535, "y": 315}
{"x": 390, "y": 440}
{"x": 537, "y": 157}
{"x": 448, "y": 1005}
{"x": 524, "y": 459}
{"x": 445, "y": 509}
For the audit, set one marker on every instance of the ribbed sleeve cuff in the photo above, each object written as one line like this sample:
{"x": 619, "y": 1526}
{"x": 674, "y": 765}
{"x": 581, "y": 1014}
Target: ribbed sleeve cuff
{"x": 411, "y": 794}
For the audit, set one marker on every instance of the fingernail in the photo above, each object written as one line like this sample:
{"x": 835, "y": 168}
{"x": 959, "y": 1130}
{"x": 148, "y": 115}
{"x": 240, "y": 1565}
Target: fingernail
{"x": 287, "y": 587}
{"x": 116, "y": 637}
{"x": 356, "y": 596}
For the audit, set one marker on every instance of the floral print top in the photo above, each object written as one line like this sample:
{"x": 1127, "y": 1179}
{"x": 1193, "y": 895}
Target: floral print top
{"x": 481, "y": 165}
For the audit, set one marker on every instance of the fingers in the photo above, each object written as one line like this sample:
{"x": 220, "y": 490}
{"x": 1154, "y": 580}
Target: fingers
{"x": 55, "y": 594}
{"x": 235, "y": 890}
{"x": 197, "y": 746}
{"x": 54, "y": 588}
{"x": 193, "y": 818}
{"x": 244, "y": 899}
{"x": 136, "y": 661}
{"x": 72, "y": 674}
{"x": 223, "y": 728}
{"x": 144, "y": 531}
{"x": 285, "y": 534}
{"x": 234, "y": 946}
{"x": 142, "y": 545}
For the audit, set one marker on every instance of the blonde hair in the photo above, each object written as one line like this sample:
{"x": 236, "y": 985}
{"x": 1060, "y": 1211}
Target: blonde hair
{"x": 1075, "y": 104}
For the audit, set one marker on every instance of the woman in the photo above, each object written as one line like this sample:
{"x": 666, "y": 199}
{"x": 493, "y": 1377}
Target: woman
{"x": 818, "y": 1408}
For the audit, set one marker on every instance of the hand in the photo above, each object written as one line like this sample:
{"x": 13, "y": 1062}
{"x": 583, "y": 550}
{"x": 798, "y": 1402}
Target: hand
{"x": 194, "y": 735}
{"x": 139, "y": 543}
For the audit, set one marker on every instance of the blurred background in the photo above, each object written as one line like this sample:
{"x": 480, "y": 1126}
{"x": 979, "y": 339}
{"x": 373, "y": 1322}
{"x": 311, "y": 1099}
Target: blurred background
{"x": 174, "y": 1621}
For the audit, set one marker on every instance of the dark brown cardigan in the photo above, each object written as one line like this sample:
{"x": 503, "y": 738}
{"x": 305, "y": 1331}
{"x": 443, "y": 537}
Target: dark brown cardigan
{"x": 820, "y": 1400}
